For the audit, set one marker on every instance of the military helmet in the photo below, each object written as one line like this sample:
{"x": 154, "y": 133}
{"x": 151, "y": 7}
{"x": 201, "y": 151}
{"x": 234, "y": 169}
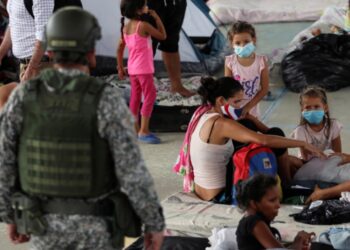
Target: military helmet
{"x": 72, "y": 29}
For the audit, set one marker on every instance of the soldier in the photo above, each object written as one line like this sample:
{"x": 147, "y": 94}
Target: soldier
{"x": 67, "y": 146}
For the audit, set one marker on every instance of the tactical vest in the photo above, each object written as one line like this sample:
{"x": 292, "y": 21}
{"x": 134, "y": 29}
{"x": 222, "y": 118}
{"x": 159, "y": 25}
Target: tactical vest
{"x": 61, "y": 153}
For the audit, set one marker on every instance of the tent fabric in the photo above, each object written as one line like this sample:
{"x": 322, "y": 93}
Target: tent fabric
{"x": 227, "y": 11}
{"x": 197, "y": 24}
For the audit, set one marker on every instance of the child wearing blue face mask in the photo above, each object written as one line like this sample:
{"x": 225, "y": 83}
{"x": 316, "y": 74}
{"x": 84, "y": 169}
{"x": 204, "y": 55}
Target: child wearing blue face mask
{"x": 316, "y": 127}
{"x": 248, "y": 68}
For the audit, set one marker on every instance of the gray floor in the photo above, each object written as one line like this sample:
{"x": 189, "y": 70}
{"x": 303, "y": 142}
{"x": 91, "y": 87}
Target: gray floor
{"x": 283, "y": 112}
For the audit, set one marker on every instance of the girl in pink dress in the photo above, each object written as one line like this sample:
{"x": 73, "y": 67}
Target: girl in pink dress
{"x": 248, "y": 68}
{"x": 136, "y": 36}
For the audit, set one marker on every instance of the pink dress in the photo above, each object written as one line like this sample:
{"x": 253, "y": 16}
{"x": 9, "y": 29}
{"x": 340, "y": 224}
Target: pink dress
{"x": 249, "y": 77}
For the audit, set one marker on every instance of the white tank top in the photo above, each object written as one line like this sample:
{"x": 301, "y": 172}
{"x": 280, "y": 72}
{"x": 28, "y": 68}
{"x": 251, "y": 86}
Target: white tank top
{"x": 209, "y": 160}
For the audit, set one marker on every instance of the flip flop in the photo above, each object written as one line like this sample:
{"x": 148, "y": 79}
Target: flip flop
{"x": 150, "y": 139}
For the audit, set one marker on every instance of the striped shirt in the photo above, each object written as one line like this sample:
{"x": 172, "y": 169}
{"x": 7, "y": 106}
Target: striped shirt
{"x": 25, "y": 30}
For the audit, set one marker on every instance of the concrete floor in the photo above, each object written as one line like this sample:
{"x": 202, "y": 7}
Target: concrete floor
{"x": 282, "y": 112}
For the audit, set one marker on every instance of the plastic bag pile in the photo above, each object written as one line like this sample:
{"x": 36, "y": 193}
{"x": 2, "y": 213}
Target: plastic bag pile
{"x": 323, "y": 61}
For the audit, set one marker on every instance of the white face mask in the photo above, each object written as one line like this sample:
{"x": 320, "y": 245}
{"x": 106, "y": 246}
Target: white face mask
{"x": 231, "y": 112}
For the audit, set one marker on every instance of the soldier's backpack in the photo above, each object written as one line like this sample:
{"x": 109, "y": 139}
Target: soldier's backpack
{"x": 254, "y": 158}
{"x": 58, "y": 4}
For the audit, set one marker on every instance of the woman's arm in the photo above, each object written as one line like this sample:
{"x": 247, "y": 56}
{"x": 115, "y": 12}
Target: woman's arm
{"x": 233, "y": 130}
{"x": 265, "y": 237}
{"x": 158, "y": 33}
{"x": 261, "y": 93}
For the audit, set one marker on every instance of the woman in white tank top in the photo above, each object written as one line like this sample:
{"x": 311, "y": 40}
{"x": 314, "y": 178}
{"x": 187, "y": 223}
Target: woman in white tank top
{"x": 211, "y": 141}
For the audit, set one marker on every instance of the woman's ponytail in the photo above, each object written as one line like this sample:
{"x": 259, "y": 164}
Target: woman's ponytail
{"x": 206, "y": 89}
{"x": 210, "y": 89}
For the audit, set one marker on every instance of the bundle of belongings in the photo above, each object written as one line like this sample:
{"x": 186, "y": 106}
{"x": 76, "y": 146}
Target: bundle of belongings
{"x": 324, "y": 60}
{"x": 326, "y": 212}
{"x": 329, "y": 212}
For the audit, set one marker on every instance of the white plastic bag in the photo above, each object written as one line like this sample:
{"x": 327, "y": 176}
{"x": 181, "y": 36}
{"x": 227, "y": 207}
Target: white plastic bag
{"x": 223, "y": 239}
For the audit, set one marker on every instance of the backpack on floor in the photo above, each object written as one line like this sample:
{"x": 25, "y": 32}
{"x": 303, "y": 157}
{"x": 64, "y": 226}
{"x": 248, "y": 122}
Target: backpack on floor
{"x": 254, "y": 158}
{"x": 58, "y": 4}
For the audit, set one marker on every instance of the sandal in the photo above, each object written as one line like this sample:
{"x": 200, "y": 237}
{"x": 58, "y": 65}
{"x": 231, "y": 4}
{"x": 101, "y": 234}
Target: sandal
{"x": 150, "y": 139}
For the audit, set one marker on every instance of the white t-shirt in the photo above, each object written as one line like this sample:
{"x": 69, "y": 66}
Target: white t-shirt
{"x": 318, "y": 139}
{"x": 249, "y": 77}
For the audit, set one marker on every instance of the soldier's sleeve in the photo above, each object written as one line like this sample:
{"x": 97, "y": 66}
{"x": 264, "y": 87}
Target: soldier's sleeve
{"x": 115, "y": 123}
{"x": 11, "y": 119}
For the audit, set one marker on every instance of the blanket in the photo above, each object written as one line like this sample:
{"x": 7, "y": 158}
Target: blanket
{"x": 187, "y": 215}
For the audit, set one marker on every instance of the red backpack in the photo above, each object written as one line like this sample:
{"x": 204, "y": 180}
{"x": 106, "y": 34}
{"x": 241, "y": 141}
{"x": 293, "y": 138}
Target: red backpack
{"x": 254, "y": 158}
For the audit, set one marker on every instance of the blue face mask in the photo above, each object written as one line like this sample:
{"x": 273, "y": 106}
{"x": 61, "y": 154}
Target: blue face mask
{"x": 231, "y": 112}
{"x": 313, "y": 117}
{"x": 245, "y": 51}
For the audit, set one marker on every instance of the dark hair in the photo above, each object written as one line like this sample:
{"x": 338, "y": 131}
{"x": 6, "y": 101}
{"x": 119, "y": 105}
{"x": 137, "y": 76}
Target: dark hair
{"x": 241, "y": 27}
{"x": 211, "y": 89}
{"x": 253, "y": 189}
{"x": 316, "y": 92}
{"x": 128, "y": 9}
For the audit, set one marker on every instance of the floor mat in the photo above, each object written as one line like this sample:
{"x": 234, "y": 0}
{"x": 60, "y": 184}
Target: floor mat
{"x": 164, "y": 96}
{"x": 187, "y": 215}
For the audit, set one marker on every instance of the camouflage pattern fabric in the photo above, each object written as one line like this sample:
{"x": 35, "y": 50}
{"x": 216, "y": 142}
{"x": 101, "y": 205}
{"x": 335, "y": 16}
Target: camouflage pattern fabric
{"x": 74, "y": 233}
{"x": 115, "y": 124}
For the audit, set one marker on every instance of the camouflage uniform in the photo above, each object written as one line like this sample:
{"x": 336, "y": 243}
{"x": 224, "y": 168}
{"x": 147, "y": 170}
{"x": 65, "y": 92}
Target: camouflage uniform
{"x": 83, "y": 232}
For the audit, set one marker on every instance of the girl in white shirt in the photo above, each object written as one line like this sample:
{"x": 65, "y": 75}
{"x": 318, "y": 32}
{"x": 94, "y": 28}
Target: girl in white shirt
{"x": 316, "y": 127}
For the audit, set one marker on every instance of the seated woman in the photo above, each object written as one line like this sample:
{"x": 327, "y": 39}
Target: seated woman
{"x": 210, "y": 140}
{"x": 335, "y": 191}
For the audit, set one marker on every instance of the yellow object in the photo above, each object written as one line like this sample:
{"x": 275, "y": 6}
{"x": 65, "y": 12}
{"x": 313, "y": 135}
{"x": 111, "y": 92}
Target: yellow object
{"x": 347, "y": 21}
{"x": 347, "y": 18}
